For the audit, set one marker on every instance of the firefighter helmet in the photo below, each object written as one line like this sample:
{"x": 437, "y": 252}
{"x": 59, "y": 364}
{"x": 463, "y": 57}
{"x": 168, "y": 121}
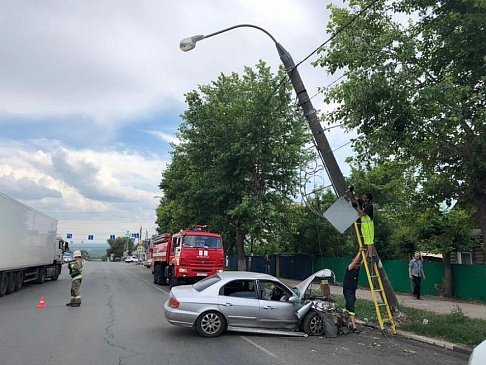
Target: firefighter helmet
{"x": 77, "y": 253}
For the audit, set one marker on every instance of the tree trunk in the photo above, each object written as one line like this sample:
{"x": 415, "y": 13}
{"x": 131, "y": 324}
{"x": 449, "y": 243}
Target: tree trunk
{"x": 448, "y": 287}
{"x": 481, "y": 205}
{"x": 240, "y": 245}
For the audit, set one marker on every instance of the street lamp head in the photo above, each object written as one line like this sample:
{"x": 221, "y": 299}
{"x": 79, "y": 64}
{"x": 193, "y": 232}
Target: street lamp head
{"x": 190, "y": 43}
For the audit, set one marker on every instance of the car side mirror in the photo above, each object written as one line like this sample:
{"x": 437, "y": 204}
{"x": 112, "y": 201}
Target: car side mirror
{"x": 294, "y": 299}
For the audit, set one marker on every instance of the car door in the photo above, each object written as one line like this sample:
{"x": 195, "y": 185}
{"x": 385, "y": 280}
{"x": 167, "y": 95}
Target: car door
{"x": 275, "y": 310}
{"x": 238, "y": 301}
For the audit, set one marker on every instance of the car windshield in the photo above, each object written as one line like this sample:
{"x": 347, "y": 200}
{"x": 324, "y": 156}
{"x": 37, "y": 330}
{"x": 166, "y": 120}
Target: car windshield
{"x": 202, "y": 241}
{"x": 206, "y": 283}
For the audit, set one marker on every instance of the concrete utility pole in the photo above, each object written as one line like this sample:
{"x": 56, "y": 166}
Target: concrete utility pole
{"x": 323, "y": 147}
{"x": 334, "y": 172}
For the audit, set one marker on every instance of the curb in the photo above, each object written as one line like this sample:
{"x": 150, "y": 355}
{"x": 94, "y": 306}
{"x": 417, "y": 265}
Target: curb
{"x": 428, "y": 340}
{"x": 440, "y": 343}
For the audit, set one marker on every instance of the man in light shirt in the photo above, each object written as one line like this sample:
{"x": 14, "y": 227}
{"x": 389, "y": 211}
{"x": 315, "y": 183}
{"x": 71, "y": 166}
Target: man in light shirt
{"x": 416, "y": 273}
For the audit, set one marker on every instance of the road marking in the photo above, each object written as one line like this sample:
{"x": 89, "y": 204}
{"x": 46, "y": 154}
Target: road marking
{"x": 259, "y": 347}
{"x": 151, "y": 284}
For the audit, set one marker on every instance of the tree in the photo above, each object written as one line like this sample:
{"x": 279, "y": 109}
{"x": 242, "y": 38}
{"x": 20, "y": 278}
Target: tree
{"x": 445, "y": 232}
{"x": 396, "y": 200}
{"x": 236, "y": 166}
{"x": 119, "y": 245}
{"x": 415, "y": 90}
{"x": 85, "y": 255}
{"x": 306, "y": 231}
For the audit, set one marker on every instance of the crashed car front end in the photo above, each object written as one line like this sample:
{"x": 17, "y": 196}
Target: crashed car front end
{"x": 319, "y": 314}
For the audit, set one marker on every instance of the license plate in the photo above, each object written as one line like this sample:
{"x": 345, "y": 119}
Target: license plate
{"x": 201, "y": 274}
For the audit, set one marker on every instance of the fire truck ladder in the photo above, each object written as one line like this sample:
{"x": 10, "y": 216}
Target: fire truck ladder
{"x": 382, "y": 308}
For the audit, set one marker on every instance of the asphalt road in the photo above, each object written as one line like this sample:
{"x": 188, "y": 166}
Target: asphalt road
{"x": 121, "y": 322}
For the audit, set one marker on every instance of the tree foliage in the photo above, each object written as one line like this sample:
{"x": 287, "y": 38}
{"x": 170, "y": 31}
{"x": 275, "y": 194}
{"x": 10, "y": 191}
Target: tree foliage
{"x": 415, "y": 91}
{"x": 119, "y": 245}
{"x": 307, "y": 232}
{"x": 236, "y": 166}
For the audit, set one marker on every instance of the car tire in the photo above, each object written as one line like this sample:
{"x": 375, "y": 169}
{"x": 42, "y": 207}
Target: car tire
{"x": 313, "y": 324}
{"x": 210, "y": 324}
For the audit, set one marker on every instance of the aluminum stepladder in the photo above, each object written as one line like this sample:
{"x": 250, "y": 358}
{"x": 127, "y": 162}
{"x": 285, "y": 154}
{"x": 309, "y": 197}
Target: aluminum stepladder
{"x": 376, "y": 287}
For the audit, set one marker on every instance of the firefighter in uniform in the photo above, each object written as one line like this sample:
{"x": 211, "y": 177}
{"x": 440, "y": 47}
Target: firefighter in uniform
{"x": 76, "y": 270}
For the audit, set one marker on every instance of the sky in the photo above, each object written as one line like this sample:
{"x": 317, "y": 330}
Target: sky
{"x": 91, "y": 92}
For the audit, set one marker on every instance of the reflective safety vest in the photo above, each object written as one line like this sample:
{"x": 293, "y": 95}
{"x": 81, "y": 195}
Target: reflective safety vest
{"x": 76, "y": 270}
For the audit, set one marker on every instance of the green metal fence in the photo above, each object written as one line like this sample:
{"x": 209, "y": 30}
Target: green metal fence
{"x": 469, "y": 280}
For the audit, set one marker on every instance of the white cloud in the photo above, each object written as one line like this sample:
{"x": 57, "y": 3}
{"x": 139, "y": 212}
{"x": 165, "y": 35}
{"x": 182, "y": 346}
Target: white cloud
{"x": 112, "y": 60}
{"x": 90, "y": 68}
{"x": 165, "y": 137}
{"x": 75, "y": 183}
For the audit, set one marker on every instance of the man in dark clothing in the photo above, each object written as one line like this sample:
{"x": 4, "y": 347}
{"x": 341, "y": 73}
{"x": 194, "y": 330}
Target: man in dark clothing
{"x": 350, "y": 285}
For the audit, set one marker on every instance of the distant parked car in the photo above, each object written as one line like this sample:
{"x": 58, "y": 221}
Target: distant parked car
{"x": 116, "y": 259}
{"x": 131, "y": 259}
{"x": 148, "y": 262}
{"x": 248, "y": 301}
{"x": 67, "y": 257}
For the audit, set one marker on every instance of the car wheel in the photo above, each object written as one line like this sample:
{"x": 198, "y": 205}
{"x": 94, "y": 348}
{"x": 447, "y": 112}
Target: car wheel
{"x": 210, "y": 324}
{"x": 313, "y": 324}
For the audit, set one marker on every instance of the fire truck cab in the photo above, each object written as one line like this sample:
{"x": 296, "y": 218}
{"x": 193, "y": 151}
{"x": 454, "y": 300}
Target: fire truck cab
{"x": 186, "y": 256}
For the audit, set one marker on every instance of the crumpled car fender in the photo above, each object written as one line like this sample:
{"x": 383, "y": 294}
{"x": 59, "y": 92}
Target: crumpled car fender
{"x": 301, "y": 312}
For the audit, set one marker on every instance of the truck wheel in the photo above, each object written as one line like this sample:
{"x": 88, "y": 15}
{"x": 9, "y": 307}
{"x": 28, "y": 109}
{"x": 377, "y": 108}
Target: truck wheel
{"x": 313, "y": 324}
{"x": 157, "y": 271}
{"x": 162, "y": 277}
{"x": 41, "y": 276}
{"x": 3, "y": 283}
{"x": 20, "y": 280}
{"x": 58, "y": 272}
{"x": 173, "y": 280}
{"x": 11, "y": 280}
{"x": 210, "y": 324}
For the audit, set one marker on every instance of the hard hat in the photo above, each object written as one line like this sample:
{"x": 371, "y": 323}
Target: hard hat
{"x": 77, "y": 253}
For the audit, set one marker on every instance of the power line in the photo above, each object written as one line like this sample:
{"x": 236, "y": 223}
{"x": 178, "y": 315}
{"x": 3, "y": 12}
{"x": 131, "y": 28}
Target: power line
{"x": 287, "y": 77}
{"x": 365, "y": 9}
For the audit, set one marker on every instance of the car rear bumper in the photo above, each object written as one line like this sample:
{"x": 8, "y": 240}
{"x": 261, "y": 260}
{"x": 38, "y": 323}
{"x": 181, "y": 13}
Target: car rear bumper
{"x": 179, "y": 317}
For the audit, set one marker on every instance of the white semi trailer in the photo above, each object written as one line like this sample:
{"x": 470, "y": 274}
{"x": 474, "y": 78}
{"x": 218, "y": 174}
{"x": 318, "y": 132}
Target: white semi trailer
{"x": 29, "y": 248}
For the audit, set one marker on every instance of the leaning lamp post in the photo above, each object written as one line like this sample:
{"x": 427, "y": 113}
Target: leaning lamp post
{"x": 323, "y": 147}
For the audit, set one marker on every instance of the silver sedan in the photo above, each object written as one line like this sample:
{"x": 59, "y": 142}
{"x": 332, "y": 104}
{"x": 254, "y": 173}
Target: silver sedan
{"x": 244, "y": 301}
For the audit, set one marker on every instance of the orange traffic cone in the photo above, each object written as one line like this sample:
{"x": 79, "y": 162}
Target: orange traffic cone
{"x": 42, "y": 303}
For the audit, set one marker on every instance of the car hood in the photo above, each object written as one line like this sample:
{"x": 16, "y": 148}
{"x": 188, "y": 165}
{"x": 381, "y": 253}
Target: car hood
{"x": 301, "y": 288}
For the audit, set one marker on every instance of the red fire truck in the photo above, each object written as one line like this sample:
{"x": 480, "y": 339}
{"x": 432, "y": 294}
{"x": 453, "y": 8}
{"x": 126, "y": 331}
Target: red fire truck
{"x": 186, "y": 256}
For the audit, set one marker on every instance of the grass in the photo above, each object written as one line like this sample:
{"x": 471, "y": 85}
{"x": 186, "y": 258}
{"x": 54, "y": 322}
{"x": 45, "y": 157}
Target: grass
{"x": 453, "y": 327}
